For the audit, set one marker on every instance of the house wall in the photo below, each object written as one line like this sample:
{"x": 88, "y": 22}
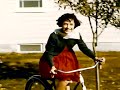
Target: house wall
{"x": 25, "y": 25}
{"x": 33, "y": 25}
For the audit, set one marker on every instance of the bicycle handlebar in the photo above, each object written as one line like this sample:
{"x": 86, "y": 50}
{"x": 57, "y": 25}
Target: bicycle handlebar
{"x": 81, "y": 69}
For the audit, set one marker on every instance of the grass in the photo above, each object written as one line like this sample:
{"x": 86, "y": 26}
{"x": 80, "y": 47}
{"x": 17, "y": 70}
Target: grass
{"x": 17, "y": 68}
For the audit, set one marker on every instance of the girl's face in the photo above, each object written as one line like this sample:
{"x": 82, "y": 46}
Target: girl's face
{"x": 68, "y": 26}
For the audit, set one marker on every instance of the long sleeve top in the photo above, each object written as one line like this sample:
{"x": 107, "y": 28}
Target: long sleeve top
{"x": 56, "y": 43}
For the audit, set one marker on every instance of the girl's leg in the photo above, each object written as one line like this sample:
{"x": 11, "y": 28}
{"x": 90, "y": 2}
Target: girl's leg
{"x": 62, "y": 85}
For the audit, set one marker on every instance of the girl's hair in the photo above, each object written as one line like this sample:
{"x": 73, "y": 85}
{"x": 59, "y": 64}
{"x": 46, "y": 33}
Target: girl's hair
{"x": 68, "y": 16}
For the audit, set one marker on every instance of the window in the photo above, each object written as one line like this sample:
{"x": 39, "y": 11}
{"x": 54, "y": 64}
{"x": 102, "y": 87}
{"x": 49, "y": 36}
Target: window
{"x": 30, "y": 48}
{"x": 34, "y": 6}
{"x": 30, "y": 3}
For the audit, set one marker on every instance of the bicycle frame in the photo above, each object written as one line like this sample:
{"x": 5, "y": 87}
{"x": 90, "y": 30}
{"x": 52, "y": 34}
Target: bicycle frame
{"x": 48, "y": 86}
{"x": 81, "y": 78}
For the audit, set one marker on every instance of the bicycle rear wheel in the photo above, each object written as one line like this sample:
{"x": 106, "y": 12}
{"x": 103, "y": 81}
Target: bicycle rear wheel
{"x": 37, "y": 83}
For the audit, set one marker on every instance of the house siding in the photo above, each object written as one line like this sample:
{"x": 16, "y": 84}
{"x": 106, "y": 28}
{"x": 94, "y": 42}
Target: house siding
{"x": 33, "y": 25}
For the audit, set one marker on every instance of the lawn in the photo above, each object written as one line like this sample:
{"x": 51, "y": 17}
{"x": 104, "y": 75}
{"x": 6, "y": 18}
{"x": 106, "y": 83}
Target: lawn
{"x": 17, "y": 68}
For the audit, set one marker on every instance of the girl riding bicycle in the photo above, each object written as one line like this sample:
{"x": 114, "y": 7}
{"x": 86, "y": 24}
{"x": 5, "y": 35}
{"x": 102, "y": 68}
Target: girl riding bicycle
{"x": 59, "y": 53}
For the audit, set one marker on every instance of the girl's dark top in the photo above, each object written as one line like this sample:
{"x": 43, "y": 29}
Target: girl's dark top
{"x": 56, "y": 43}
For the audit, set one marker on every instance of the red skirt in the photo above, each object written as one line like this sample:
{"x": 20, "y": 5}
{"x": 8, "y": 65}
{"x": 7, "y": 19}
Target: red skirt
{"x": 65, "y": 61}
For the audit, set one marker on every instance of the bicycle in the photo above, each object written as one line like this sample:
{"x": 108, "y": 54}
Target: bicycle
{"x": 36, "y": 82}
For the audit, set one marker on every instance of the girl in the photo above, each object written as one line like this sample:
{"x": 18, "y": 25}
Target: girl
{"x": 59, "y": 53}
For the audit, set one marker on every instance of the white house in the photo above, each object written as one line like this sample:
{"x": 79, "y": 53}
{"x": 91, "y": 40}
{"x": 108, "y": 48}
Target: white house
{"x": 26, "y": 24}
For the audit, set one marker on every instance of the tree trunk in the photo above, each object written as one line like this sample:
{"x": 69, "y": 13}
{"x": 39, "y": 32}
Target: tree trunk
{"x": 97, "y": 67}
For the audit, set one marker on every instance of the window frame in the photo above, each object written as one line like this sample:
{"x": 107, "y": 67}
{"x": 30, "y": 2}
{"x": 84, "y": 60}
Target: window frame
{"x": 30, "y": 9}
{"x": 30, "y": 51}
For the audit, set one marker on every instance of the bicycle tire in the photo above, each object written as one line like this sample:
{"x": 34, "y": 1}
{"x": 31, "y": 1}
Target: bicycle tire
{"x": 37, "y": 80}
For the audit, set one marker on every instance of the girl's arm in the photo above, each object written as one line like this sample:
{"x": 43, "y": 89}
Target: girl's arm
{"x": 83, "y": 47}
{"x": 50, "y": 48}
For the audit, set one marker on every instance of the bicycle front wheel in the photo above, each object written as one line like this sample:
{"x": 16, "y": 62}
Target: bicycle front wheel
{"x": 36, "y": 83}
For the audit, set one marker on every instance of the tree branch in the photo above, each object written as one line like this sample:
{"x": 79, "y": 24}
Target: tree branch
{"x": 90, "y": 24}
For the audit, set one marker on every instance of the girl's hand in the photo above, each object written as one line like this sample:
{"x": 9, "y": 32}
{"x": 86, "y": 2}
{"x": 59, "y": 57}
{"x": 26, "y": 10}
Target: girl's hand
{"x": 53, "y": 71}
{"x": 101, "y": 60}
